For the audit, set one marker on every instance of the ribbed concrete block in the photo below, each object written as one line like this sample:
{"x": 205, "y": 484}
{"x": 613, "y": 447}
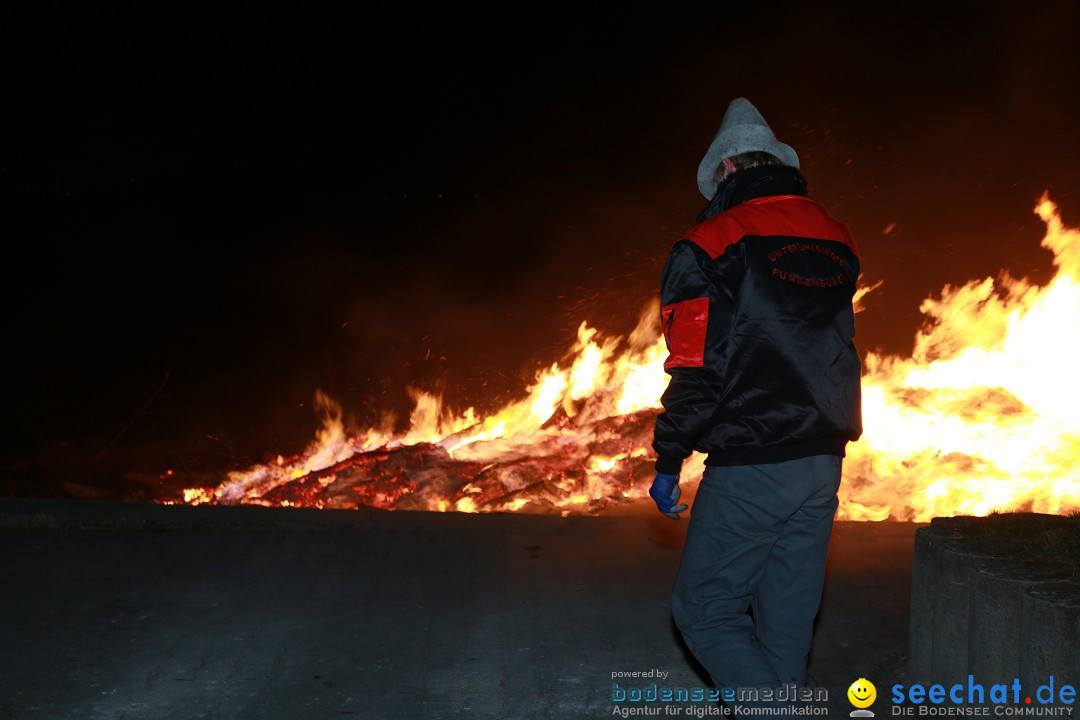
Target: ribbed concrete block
{"x": 1050, "y": 639}
{"x": 925, "y": 580}
{"x": 955, "y": 562}
{"x": 995, "y": 610}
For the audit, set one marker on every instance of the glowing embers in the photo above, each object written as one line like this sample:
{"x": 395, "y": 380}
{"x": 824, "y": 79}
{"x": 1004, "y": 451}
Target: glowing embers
{"x": 571, "y": 443}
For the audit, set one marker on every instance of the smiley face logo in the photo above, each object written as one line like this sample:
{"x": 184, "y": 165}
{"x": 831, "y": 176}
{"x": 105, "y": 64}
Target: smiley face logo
{"x": 862, "y": 693}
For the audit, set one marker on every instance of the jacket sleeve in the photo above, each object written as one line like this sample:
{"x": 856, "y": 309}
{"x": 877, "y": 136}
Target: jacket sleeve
{"x": 688, "y": 298}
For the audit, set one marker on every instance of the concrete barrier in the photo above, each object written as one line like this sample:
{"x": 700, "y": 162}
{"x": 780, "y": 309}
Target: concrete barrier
{"x": 1050, "y": 632}
{"x": 995, "y": 610}
{"x": 955, "y": 562}
{"x": 971, "y": 597}
{"x": 925, "y": 580}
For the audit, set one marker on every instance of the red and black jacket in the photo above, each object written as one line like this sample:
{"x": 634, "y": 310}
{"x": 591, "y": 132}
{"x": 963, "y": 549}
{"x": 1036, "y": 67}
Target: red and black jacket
{"x": 757, "y": 315}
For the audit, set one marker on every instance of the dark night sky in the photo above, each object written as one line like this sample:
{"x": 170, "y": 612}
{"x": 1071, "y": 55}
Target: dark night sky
{"x": 266, "y": 202}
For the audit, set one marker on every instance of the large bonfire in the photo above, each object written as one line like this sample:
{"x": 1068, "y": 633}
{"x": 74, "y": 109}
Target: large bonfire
{"x": 981, "y": 417}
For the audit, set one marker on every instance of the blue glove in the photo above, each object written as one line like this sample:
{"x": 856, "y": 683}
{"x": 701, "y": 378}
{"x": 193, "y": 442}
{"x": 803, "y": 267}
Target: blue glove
{"x": 665, "y": 491}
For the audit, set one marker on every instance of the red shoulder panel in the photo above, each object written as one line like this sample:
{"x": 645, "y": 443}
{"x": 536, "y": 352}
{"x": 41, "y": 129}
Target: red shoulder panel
{"x": 786, "y": 215}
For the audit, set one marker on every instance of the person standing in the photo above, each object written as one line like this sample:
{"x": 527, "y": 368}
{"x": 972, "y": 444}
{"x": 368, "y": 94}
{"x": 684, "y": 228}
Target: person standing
{"x": 756, "y": 310}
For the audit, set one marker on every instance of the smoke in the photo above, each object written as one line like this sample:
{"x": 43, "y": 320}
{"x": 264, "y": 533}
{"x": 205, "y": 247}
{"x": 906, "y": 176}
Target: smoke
{"x": 276, "y": 217}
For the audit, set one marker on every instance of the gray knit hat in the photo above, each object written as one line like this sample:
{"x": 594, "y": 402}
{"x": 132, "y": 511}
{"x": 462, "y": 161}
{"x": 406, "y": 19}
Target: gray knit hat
{"x": 742, "y": 130}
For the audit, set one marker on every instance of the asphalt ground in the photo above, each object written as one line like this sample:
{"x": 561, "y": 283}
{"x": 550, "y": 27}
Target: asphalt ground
{"x": 130, "y": 610}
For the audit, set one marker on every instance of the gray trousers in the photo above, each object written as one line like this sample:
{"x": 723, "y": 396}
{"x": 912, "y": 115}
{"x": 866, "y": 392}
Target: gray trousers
{"x": 757, "y": 539}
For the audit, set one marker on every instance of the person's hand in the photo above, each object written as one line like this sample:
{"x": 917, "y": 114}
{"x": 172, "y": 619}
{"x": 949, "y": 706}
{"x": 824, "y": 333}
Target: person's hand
{"x": 665, "y": 491}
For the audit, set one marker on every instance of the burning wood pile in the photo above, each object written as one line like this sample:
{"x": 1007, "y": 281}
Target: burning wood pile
{"x": 548, "y": 477}
{"x": 981, "y": 417}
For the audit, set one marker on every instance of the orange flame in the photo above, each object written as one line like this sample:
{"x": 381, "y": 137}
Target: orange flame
{"x": 979, "y": 418}
{"x": 982, "y": 416}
